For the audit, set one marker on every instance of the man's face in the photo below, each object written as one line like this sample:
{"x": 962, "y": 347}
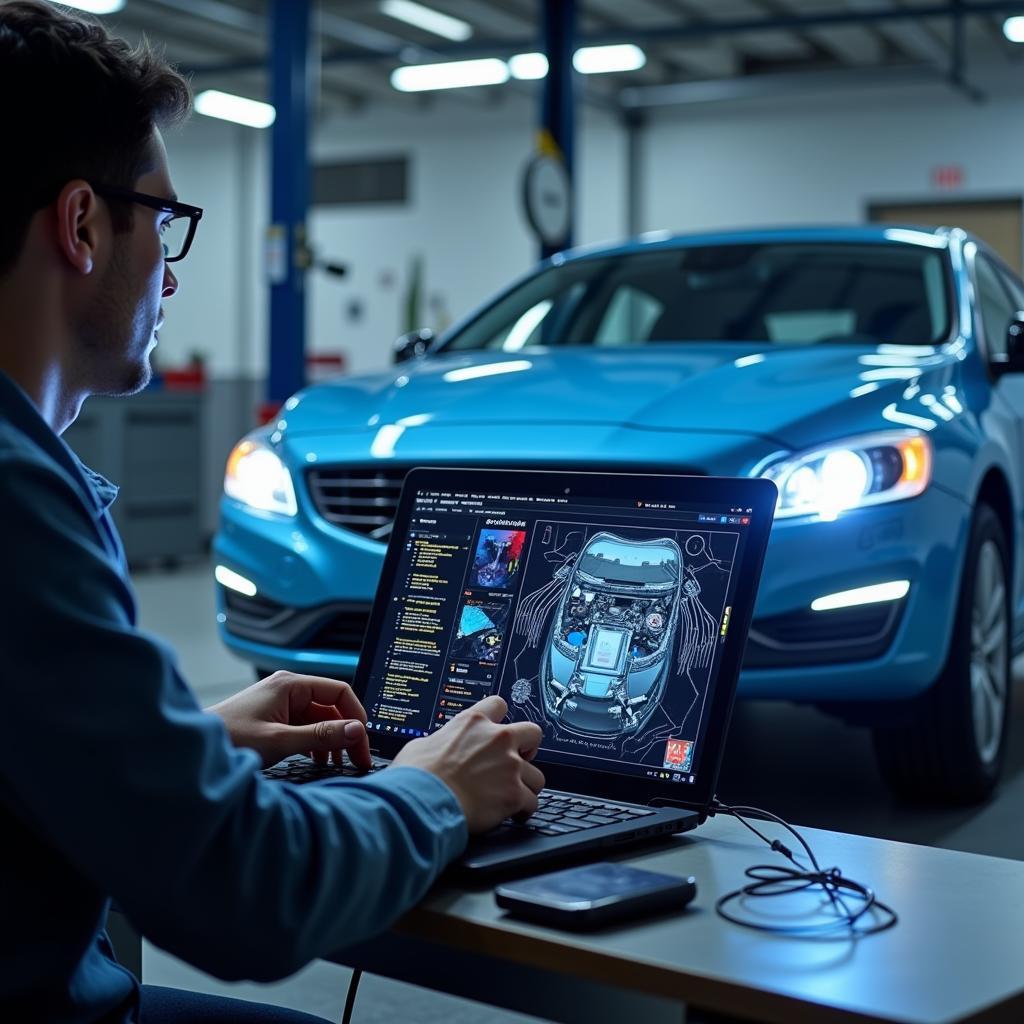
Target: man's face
{"x": 119, "y": 325}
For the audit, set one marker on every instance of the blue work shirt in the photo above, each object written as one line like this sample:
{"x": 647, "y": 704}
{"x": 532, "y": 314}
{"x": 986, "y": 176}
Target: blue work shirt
{"x": 115, "y": 783}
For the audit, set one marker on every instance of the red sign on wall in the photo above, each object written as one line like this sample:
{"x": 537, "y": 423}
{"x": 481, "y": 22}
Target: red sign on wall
{"x": 947, "y": 176}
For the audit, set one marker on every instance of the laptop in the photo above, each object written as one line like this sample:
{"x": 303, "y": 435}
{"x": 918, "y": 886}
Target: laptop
{"x": 610, "y": 609}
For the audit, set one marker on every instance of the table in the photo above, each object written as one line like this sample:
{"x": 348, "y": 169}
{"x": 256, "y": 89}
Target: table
{"x": 955, "y": 957}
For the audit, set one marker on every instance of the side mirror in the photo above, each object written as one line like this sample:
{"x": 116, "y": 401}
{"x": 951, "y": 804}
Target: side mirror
{"x": 1013, "y": 360}
{"x": 413, "y": 345}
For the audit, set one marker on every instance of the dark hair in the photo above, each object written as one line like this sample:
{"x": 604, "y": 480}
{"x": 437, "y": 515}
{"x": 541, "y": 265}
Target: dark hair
{"x": 76, "y": 103}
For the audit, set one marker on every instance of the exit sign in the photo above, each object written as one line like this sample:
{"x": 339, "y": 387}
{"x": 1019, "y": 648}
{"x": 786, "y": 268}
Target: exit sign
{"x": 947, "y": 176}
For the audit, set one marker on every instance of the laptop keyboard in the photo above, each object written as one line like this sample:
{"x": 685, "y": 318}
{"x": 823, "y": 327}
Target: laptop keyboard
{"x": 557, "y": 813}
{"x": 561, "y": 813}
{"x": 299, "y": 769}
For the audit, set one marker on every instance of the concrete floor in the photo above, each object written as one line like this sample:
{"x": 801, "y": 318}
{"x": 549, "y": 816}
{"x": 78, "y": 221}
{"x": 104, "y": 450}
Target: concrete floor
{"x": 802, "y": 765}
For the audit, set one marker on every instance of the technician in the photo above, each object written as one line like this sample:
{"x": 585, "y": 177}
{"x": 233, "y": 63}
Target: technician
{"x": 114, "y": 781}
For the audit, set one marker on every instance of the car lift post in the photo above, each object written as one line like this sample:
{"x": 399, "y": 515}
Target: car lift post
{"x": 558, "y": 102}
{"x": 287, "y": 248}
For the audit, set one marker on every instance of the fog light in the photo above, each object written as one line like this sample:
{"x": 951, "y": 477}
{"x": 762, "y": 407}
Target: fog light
{"x": 892, "y": 591}
{"x": 233, "y": 581}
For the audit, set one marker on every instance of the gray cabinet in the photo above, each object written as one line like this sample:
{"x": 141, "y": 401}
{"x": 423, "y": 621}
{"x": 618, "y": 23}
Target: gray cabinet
{"x": 151, "y": 446}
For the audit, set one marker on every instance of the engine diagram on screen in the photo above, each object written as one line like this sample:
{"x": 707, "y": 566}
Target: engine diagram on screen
{"x": 604, "y": 632}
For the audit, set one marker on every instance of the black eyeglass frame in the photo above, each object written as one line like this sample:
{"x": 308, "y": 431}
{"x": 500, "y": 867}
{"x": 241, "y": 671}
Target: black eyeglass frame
{"x": 194, "y": 213}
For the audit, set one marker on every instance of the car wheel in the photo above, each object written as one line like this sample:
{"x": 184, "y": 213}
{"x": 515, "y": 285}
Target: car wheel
{"x": 953, "y": 742}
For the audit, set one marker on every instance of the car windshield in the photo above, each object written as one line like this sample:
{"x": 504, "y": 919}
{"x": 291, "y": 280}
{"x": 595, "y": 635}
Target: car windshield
{"x": 782, "y": 294}
{"x": 626, "y": 562}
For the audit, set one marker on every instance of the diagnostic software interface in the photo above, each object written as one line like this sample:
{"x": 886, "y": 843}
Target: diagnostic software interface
{"x": 600, "y": 619}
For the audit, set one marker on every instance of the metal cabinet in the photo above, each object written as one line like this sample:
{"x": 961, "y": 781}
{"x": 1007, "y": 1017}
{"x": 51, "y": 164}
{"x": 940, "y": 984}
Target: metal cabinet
{"x": 151, "y": 446}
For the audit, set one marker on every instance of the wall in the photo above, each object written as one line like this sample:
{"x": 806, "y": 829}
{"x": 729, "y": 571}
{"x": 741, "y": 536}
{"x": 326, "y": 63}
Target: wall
{"x": 463, "y": 218}
{"x": 822, "y": 159}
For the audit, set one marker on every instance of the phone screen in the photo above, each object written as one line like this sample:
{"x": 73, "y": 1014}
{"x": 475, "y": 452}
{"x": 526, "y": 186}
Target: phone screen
{"x": 592, "y": 882}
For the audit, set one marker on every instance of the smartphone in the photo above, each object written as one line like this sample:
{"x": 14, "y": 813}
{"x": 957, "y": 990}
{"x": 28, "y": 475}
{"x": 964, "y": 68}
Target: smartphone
{"x": 594, "y": 895}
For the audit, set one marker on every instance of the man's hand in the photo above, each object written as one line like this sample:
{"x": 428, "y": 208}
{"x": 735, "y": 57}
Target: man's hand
{"x": 288, "y": 714}
{"x": 485, "y": 764}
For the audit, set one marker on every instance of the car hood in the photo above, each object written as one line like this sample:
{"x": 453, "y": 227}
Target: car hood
{"x": 780, "y": 394}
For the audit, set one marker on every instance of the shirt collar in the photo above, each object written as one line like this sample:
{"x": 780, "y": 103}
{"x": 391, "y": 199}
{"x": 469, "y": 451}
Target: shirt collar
{"x": 21, "y": 411}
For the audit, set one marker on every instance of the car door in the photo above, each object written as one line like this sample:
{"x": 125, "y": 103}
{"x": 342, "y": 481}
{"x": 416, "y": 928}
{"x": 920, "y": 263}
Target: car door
{"x": 1000, "y": 296}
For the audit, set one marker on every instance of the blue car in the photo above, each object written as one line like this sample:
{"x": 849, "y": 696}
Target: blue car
{"x": 873, "y": 373}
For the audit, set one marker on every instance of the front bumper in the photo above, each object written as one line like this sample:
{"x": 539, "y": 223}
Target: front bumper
{"x": 316, "y": 582}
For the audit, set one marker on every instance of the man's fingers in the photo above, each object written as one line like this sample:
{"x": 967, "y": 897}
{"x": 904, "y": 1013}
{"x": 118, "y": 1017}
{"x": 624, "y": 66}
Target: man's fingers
{"x": 527, "y": 802}
{"x": 533, "y": 777}
{"x": 492, "y": 707}
{"x": 527, "y": 738}
{"x": 306, "y": 690}
{"x": 325, "y": 738}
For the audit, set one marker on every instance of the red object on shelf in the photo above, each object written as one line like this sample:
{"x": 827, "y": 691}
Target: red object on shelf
{"x": 193, "y": 378}
{"x": 266, "y": 411}
{"x": 324, "y": 365}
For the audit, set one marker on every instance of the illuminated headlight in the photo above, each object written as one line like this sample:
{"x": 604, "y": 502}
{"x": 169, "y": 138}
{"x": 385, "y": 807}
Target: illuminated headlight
{"x": 853, "y": 473}
{"x": 257, "y": 477}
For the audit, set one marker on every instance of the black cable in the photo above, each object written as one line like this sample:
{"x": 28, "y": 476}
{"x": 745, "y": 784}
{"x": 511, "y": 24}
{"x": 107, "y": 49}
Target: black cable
{"x": 868, "y": 916}
{"x": 350, "y": 999}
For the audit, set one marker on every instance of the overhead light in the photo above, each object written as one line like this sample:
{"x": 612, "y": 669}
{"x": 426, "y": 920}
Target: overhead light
{"x": 458, "y": 74}
{"x": 427, "y": 19}
{"x": 894, "y": 591}
{"x": 101, "y": 6}
{"x": 1013, "y": 29}
{"x": 228, "y": 107}
{"x": 528, "y": 66}
{"x": 599, "y": 60}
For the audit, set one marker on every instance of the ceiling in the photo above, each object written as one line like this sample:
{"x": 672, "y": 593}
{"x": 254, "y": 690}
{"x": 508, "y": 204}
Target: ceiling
{"x": 695, "y": 48}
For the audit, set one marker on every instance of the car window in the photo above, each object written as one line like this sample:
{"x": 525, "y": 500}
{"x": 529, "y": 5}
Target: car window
{"x": 628, "y": 317}
{"x": 793, "y": 293}
{"x": 1015, "y": 288}
{"x": 995, "y": 305}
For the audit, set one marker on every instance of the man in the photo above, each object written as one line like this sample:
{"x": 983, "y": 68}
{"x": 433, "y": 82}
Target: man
{"x": 114, "y": 782}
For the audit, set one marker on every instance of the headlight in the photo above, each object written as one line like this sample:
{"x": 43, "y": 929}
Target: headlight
{"x": 257, "y": 477}
{"x": 848, "y": 474}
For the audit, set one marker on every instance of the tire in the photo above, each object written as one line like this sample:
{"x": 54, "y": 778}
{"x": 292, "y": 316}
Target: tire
{"x": 951, "y": 743}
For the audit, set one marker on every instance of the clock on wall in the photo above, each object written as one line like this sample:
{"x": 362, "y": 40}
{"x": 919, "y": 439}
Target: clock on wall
{"x": 547, "y": 198}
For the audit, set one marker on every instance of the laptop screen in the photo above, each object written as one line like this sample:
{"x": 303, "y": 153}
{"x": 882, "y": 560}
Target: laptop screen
{"x": 601, "y": 618}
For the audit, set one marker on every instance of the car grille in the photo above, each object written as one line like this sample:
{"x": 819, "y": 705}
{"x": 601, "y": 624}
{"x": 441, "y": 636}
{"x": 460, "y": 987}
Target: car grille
{"x": 338, "y": 626}
{"x": 362, "y": 500}
{"x": 344, "y": 631}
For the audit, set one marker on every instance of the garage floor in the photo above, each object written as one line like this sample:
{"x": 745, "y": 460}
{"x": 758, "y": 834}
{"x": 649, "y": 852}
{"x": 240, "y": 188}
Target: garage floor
{"x": 796, "y": 762}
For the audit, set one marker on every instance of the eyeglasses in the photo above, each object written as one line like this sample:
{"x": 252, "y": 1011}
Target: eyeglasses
{"x": 176, "y": 232}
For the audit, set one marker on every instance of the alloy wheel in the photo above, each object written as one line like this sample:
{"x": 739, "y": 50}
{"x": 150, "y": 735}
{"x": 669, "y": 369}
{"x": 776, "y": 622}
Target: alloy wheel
{"x": 989, "y": 656}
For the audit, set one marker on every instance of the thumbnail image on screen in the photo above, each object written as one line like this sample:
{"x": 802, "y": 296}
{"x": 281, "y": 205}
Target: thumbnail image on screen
{"x": 496, "y": 562}
{"x": 480, "y": 631}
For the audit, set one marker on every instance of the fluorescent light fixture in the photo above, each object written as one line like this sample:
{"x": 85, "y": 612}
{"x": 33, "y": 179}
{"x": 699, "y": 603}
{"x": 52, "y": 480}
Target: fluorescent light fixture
{"x": 599, "y": 60}
{"x": 427, "y": 19}
{"x": 228, "y": 107}
{"x": 487, "y": 370}
{"x": 528, "y": 66}
{"x": 893, "y": 591}
{"x": 457, "y": 74}
{"x": 101, "y": 6}
{"x": 233, "y": 581}
{"x": 1013, "y": 29}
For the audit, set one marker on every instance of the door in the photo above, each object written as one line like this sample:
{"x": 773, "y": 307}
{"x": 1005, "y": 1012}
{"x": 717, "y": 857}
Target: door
{"x": 997, "y": 221}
